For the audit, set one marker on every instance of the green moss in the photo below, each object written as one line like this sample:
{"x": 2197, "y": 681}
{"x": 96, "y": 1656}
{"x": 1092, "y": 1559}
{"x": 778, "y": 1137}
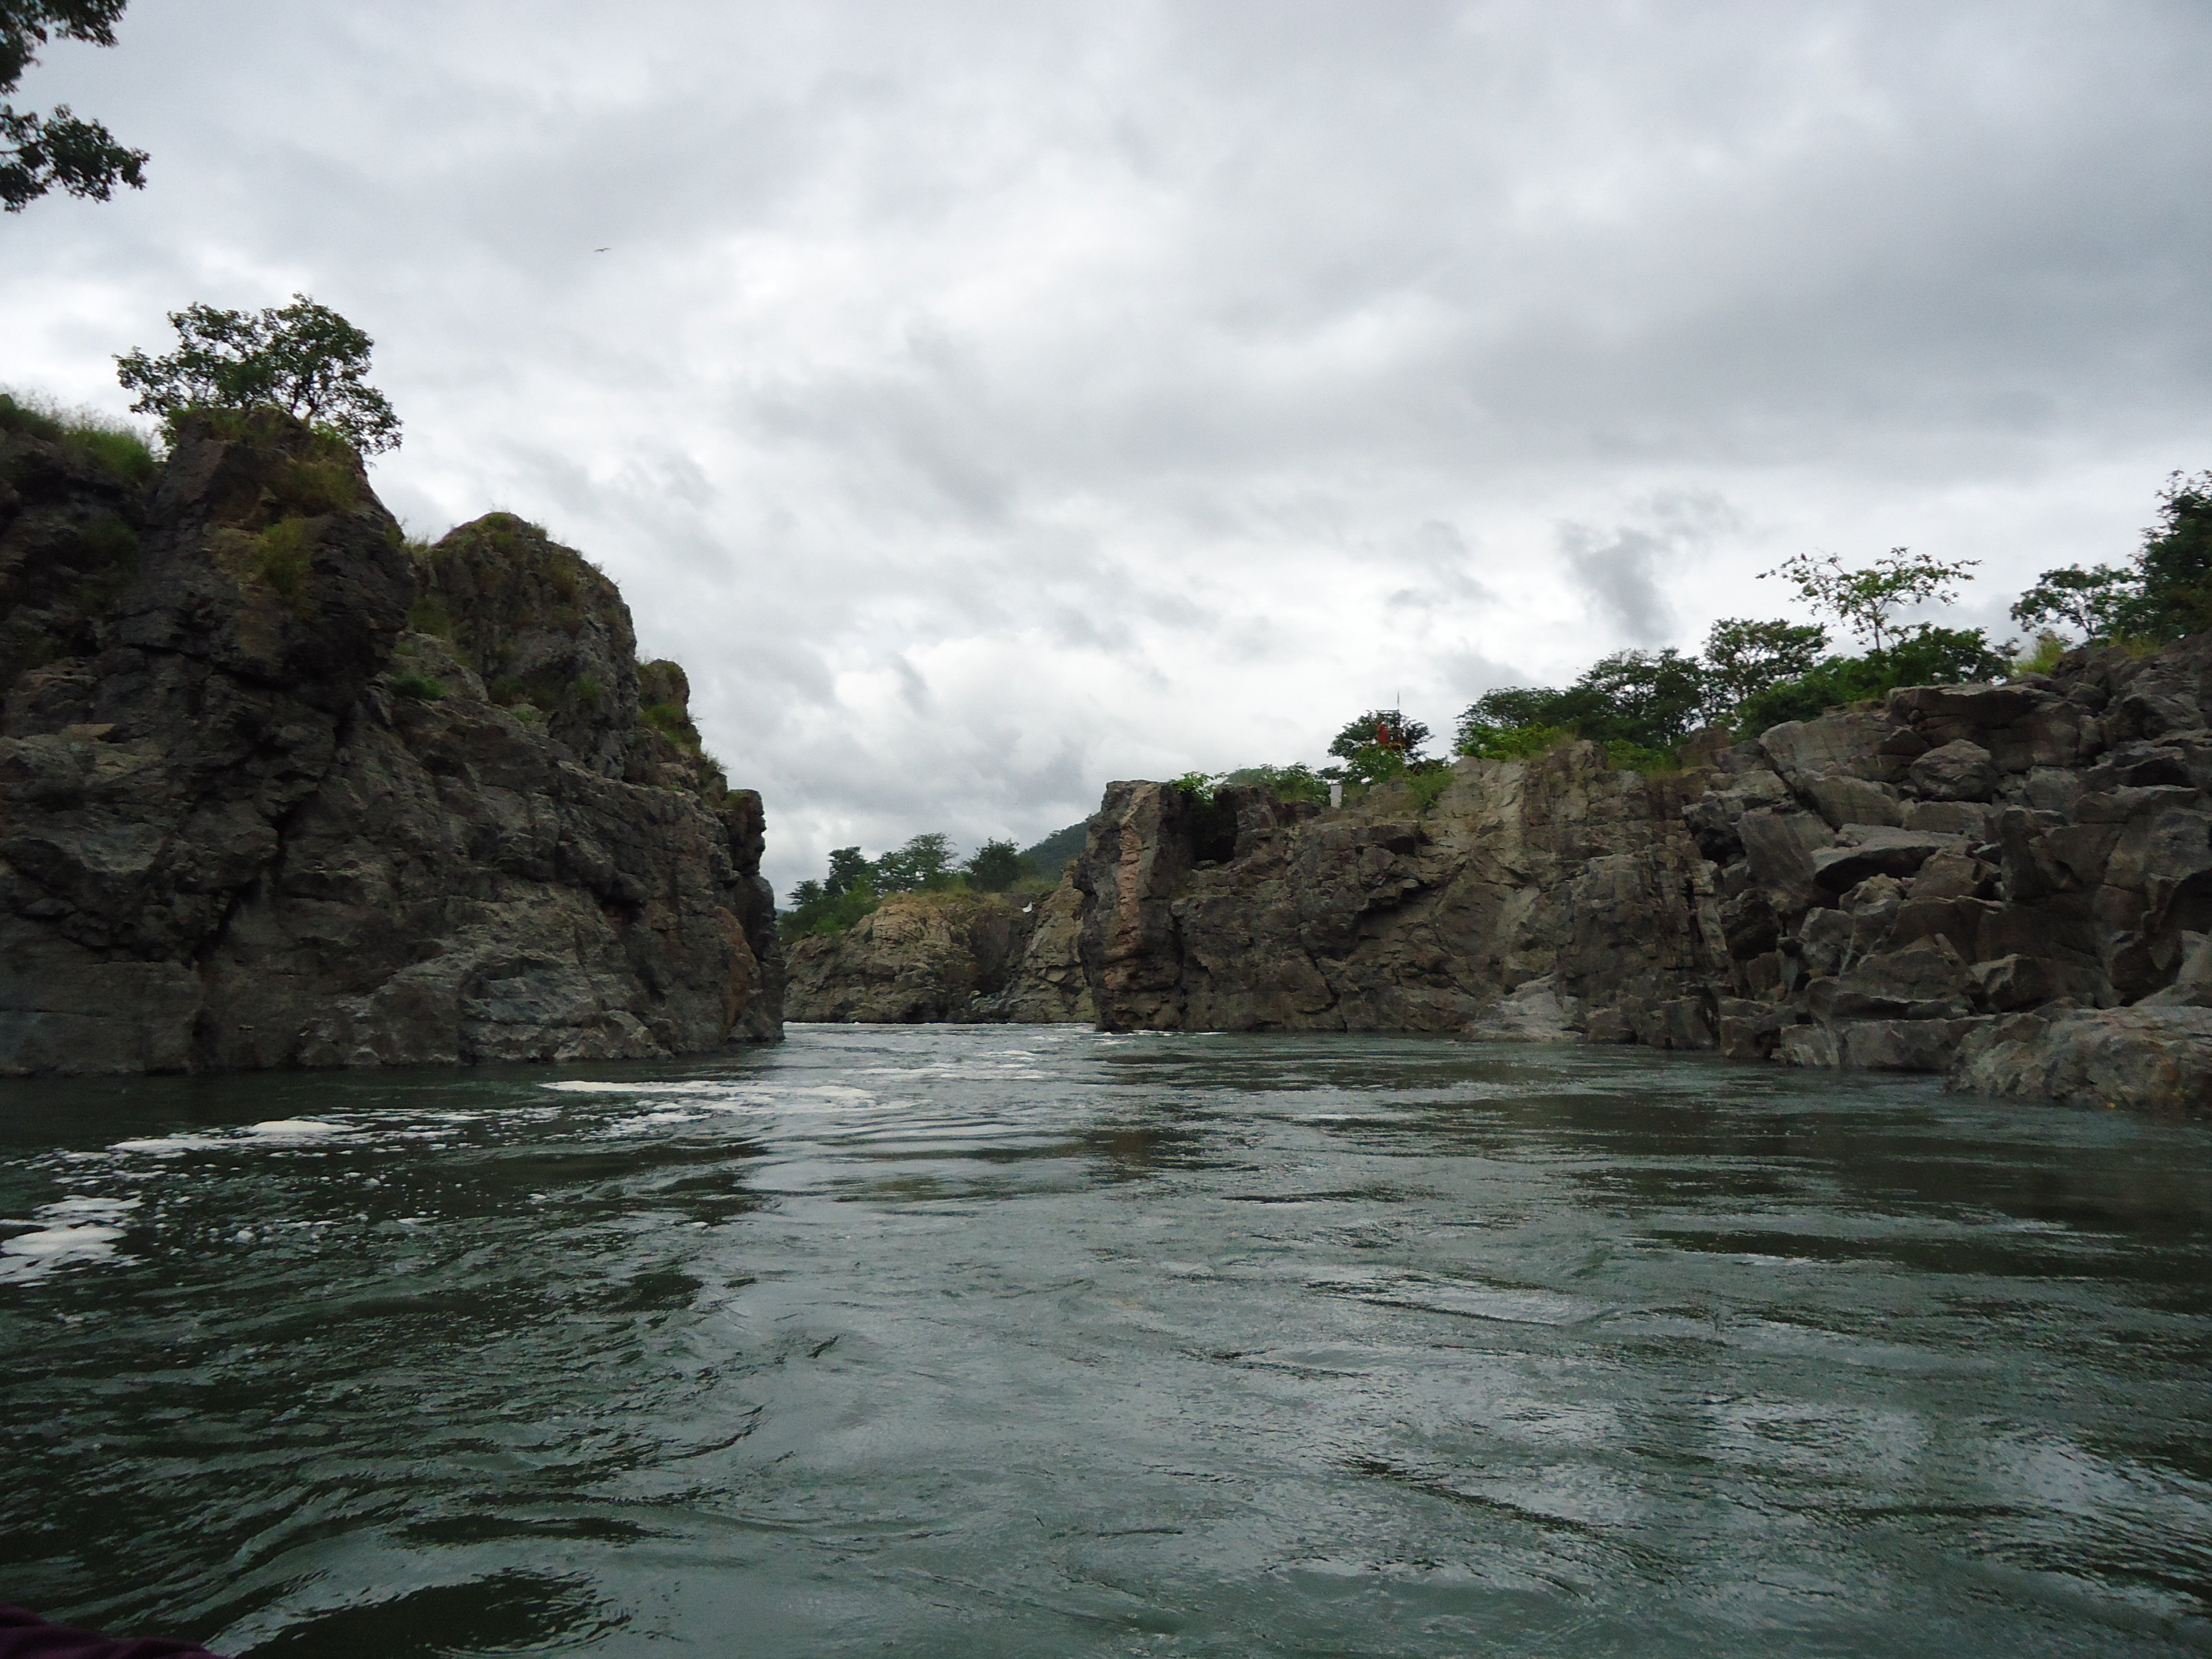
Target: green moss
{"x": 590, "y": 694}
{"x": 428, "y": 615}
{"x": 284, "y": 558}
{"x": 116, "y": 447}
{"x": 313, "y": 488}
{"x": 419, "y": 686}
{"x": 26, "y": 418}
{"x": 1426, "y": 787}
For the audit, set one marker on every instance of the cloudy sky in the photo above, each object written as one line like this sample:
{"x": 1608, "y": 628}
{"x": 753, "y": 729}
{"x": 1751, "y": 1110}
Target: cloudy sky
{"x": 984, "y": 401}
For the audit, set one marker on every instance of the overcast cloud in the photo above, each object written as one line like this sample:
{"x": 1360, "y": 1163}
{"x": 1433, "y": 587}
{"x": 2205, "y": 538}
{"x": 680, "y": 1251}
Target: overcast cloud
{"x": 984, "y": 401}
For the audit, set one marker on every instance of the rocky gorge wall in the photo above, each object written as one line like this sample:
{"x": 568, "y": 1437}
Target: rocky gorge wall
{"x": 2011, "y": 884}
{"x": 276, "y": 789}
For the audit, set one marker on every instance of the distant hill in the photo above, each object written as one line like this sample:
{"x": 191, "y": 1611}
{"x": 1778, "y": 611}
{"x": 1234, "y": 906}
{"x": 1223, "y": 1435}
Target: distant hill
{"x": 1051, "y": 854}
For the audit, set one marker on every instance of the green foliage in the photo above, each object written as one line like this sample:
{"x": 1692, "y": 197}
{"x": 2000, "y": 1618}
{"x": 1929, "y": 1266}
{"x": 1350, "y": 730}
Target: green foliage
{"x": 1743, "y": 658}
{"x": 118, "y": 448}
{"x": 1050, "y": 856}
{"x": 60, "y": 150}
{"x": 110, "y": 540}
{"x": 1486, "y": 742}
{"x": 1427, "y": 787}
{"x": 994, "y": 866}
{"x": 671, "y": 722}
{"x": 1647, "y": 699}
{"x": 2043, "y": 657}
{"x": 428, "y": 615}
{"x": 284, "y": 557}
{"x": 816, "y": 912}
{"x": 1635, "y": 757}
{"x": 1924, "y": 655}
{"x": 2093, "y": 600}
{"x": 1380, "y": 743}
{"x": 314, "y": 488}
{"x": 1863, "y": 600}
{"x": 590, "y": 694}
{"x": 419, "y": 686}
{"x": 1296, "y": 782}
{"x": 925, "y": 862}
{"x": 2176, "y": 561}
{"x": 303, "y": 358}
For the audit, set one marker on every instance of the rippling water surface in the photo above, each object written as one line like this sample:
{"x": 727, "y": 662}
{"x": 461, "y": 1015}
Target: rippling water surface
{"x": 986, "y": 1340}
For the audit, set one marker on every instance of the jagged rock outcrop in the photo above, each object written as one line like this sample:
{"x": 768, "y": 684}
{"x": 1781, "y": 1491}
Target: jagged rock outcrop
{"x": 259, "y": 805}
{"x": 1263, "y": 914}
{"x": 950, "y": 957}
{"x": 2011, "y": 883}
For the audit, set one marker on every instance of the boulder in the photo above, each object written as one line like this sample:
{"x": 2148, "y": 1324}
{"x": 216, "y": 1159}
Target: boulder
{"x": 1781, "y": 849}
{"x": 1841, "y": 800}
{"x": 1957, "y": 771}
{"x": 1873, "y": 850}
{"x": 2154, "y": 1058}
{"x": 1534, "y": 1013}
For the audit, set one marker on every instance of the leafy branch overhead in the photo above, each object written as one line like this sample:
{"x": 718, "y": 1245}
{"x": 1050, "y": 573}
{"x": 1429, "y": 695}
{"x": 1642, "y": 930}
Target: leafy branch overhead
{"x": 302, "y": 358}
{"x": 60, "y": 150}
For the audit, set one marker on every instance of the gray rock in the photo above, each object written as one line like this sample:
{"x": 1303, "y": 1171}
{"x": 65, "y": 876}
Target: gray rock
{"x": 1534, "y": 1013}
{"x": 1781, "y": 849}
{"x": 250, "y": 817}
{"x": 2005, "y": 983}
{"x": 2155, "y": 1058}
{"x": 1876, "y": 851}
{"x": 1957, "y": 771}
{"x": 1841, "y": 800}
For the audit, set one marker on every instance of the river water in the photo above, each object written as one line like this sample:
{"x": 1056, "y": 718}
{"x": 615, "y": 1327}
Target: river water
{"x": 990, "y": 1340}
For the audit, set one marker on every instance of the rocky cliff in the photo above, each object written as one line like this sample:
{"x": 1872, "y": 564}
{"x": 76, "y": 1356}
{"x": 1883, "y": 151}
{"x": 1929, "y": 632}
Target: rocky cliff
{"x": 276, "y": 789}
{"x": 2010, "y": 883}
{"x": 955, "y": 957}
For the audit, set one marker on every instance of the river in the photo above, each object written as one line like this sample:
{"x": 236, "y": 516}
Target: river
{"x": 1037, "y": 1341}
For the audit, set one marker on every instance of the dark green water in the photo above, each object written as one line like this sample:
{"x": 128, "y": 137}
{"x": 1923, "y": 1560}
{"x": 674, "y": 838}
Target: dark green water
{"x": 991, "y": 1341}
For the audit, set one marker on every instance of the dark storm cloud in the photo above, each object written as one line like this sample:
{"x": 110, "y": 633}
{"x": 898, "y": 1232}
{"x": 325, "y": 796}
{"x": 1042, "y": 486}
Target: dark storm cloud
{"x": 982, "y": 400}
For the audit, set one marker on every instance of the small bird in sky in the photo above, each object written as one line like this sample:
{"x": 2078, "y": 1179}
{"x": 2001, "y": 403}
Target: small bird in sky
{"x": 600, "y": 249}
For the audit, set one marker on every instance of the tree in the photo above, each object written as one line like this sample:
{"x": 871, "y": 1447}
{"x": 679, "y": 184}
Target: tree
{"x": 2093, "y": 600}
{"x": 2176, "y": 559}
{"x": 996, "y": 865}
{"x": 1863, "y": 599}
{"x": 1743, "y": 658}
{"x": 39, "y": 152}
{"x": 848, "y": 870}
{"x": 302, "y": 358}
{"x": 925, "y": 861}
{"x": 1380, "y": 743}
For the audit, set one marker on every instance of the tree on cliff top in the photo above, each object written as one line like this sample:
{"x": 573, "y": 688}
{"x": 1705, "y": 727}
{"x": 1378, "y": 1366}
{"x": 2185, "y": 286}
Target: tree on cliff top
{"x": 41, "y": 153}
{"x": 1863, "y": 600}
{"x": 303, "y": 358}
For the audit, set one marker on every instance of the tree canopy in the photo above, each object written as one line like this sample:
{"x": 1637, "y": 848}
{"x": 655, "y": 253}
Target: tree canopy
{"x": 1863, "y": 600}
{"x": 2167, "y": 593}
{"x": 60, "y": 150}
{"x": 302, "y": 358}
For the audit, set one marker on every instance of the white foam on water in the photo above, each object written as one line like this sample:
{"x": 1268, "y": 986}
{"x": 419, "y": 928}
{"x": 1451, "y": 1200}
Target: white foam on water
{"x": 280, "y": 1131}
{"x": 584, "y": 1086}
{"x": 79, "y": 1230}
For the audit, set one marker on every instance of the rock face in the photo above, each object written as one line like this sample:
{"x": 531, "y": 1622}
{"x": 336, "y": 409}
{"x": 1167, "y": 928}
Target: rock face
{"x": 922, "y": 957}
{"x": 277, "y": 790}
{"x": 2011, "y": 883}
{"x": 1286, "y": 917}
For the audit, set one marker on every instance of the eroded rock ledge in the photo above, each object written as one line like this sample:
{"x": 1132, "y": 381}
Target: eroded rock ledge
{"x": 275, "y": 790}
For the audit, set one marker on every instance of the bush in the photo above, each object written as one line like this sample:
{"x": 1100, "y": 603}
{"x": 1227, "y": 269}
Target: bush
{"x": 1927, "y": 655}
{"x": 115, "y": 446}
{"x": 419, "y": 686}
